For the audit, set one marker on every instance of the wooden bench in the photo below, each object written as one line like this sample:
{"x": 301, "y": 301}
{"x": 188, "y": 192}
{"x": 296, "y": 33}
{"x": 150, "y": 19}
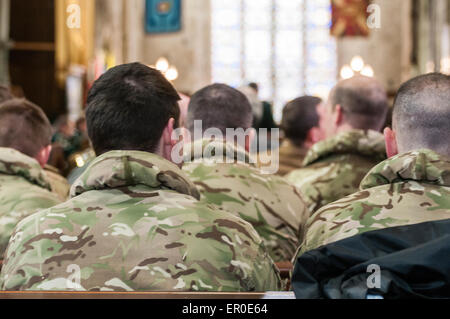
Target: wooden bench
{"x": 130, "y": 295}
{"x": 285, "y": 268}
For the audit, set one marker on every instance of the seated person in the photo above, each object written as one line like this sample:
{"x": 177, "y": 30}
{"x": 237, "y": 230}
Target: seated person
{"x": 300, "y": 123}
{"x": 227, "y": 178}
{"x": 5, "y": 94}
{"x": 398, "y": 206}
{"x": 351, "y": 121}
{"x": 134, "y": 221}
{"x": 25, "y": 134}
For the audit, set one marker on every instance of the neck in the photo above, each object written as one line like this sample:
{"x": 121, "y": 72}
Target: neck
{"x": 343, "y": 128}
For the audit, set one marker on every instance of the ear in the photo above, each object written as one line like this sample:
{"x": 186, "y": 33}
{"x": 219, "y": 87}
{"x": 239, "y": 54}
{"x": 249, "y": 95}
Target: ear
{"x": 249, "y": 139}
{"x": 314, "y": 135}
{"x": 338, "y": 115}
{"x": 43, "y": 155}
{"x": 391, "y": 142}
{"x": 167, "y": 142}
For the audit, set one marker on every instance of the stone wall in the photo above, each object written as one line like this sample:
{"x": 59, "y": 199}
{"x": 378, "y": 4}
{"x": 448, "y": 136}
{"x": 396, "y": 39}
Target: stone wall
{"x": 122, "y": 28}
{"x": 387, "y": 50}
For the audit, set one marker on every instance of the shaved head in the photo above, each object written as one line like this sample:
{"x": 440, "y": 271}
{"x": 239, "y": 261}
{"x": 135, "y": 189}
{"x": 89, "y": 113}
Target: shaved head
{"x": 363, "y": 100}
{"x": 421, "y": 116}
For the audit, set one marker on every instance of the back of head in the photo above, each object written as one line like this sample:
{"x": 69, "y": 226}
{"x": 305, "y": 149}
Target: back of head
{"x": 24, "y": 127}
{"x": 364, "y": 102}
{"x": 422, "y": 114}
{"x": 299, "y": 117}
{"x": 5, "y": 94}
{"x": 219, "y": 106}
{"x": 128, "y": 108}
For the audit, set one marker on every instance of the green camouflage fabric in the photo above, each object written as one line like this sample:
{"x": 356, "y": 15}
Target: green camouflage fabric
{"x": 58, "y": 183}
{"x": 334, "y": 167}
{"x": 226, "y": 178}
{"x": 407, "y": 189}
{"x": 23, "y": 191}
{"x": 134, "y": 224}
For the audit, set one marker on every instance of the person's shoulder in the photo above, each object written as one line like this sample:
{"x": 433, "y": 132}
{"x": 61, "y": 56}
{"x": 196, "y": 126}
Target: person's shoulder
{"x": 25, "y": 193}
{"x": 312, "y": 172}
{"x": 211, "y": 216}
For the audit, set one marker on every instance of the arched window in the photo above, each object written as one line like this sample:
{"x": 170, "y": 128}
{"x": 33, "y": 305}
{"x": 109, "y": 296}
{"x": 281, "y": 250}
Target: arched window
{"x": 283, "y": 45}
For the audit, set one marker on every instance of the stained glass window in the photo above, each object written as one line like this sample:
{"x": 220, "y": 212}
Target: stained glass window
{"x": 283, "y": 45}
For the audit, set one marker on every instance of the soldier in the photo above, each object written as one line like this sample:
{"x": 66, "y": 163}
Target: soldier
{"x": 134, "y": 221}
{"x": 413, "y": 185}
{"x": 58, "y": 183}
{"x": 25, "y": 134}
{"x": 227, "y": 176}
{"x": 398, "y": 223}
{"x": 300, "y": 124}
{"x": 351, "y": 120}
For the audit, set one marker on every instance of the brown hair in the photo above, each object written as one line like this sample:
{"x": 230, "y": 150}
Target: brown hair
{"x": 24, "y": 127}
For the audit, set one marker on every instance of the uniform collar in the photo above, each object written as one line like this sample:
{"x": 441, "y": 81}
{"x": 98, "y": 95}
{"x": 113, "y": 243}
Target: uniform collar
{"x": 118, "y": 169}
{"x": 366, "y": 143}
{"x": 216, "y": 151}
{"x": 15, "y": 163}
{"x": 422, "y": 166}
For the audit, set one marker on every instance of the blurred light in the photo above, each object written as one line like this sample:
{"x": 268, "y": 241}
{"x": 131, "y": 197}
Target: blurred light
{"x": 79, "y": 161}
{"x": 172, "y": 73}
{"x": 347, "y": 72}
{"x": 429, "y": 66}
{"x": 368, "y": 71}
{"x": 162, "y": 64}
{"x": 357, "y": 63}
{"x": 445, "y": 65}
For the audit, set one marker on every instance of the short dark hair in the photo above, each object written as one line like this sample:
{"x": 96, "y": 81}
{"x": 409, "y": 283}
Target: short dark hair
{"x": 364, "y": 102}
{"x": 128, "y": 108}
{"x": 24, "y": 127}
{"x": 299, "y": 117}
{"x": 5, "y": 94}
{"x": 254, "y": 86}
{"x": 421, "y": 116}
{"x": 219, "y": 106}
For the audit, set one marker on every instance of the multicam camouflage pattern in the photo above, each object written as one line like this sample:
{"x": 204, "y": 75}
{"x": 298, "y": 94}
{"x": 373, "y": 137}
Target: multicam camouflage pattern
{"x": 291, "y": 157}
{"x": 334, "y": 168}
{"x": 407, "y": 189}
{"x": 58, "y": 183}
{"x": 23, "y": 191}
{"x": 228, "y": 180}
{"x": 134, "y": 223}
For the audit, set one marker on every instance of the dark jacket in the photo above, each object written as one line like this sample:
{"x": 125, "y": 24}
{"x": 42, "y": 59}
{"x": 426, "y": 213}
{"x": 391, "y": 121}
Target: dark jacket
{"x": 413, "y": 261}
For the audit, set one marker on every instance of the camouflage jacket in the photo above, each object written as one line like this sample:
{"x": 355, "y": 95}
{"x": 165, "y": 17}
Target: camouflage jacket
{"x": 58, "y": 183}
{"x": 134, "y": 223}
{"x": 407, "y": 189}
{"x": 23, "y": 191}
{"x": 291, "y": 157}
{"x": 334, "y": 168}
{"x": 274, "y": 207}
